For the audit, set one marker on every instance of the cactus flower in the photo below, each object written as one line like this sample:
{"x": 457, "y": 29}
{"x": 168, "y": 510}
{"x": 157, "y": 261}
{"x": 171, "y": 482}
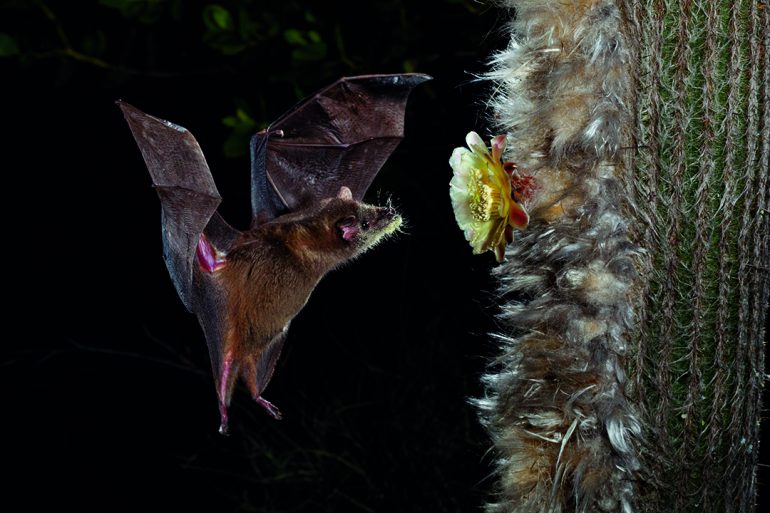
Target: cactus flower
{"x": 482, "y": 196}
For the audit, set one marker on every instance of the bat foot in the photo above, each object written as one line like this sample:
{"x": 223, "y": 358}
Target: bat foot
{"x": 269, "y": 407}
{"x": 224, "y": 428}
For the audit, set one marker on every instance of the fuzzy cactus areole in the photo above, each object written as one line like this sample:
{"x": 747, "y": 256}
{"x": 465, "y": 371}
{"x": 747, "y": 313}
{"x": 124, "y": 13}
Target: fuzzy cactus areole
{"x": 486, "y": 195}
{"x": 631, "y": 336}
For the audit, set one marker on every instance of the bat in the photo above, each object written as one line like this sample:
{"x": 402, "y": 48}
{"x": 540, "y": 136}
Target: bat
{"x": 310, "y": 170}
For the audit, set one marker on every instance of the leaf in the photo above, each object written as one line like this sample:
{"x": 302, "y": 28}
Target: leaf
{"x": 217, "y": 17}
{"x": 245, "y": 118}
{"x": 243, "y": 126}
{"x": 232, "y": 49}
{"x": 311, "y": 52}
{"x": 314, "y": 36}
{"x": 295, "y": 37}
{"x": 146, "y": 11}
{"x": 8, "y": 46}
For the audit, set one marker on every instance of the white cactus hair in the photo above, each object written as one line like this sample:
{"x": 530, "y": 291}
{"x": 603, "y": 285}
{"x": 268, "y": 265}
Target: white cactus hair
{"x": 556, "y": 402}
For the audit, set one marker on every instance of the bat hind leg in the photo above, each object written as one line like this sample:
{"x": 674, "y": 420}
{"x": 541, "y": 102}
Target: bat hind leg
{"x": 269, "y": 407}
{"x": 256, "y": 386}
{"x": 225, "y": 391}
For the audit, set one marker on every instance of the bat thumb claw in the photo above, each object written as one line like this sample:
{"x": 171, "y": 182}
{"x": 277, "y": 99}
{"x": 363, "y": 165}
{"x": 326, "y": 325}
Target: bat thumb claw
{"x": 224, "y": 430}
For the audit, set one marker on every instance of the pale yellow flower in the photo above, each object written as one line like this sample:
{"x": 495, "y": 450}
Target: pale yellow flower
{"x": 482, "y": 198}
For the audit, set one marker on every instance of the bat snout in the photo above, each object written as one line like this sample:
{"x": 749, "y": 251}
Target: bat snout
{"x": 386, "y": 220}
{"x": 386, "y": 213}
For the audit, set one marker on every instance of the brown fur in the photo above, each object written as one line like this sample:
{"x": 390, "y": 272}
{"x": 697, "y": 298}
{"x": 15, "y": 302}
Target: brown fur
{"x": 271, "y": 272}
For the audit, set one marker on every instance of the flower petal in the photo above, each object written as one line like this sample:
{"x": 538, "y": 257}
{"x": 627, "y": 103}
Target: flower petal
{"x": 461, "y": 207}
{"x": 500, "y": 252}
{"x": 476, "y": 143}
{"x": 517, "y": 216}
{"x": 498, "y": 145}
{"x": 464, "y": 162}
{"x": 455, "y": 161}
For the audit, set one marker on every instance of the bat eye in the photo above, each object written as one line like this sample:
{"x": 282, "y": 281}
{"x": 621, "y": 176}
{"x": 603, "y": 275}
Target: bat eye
{"x": 365, "y": 225}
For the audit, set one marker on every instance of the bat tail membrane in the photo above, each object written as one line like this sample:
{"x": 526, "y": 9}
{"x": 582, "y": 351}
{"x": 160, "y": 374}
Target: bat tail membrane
{"x": 254, "y": 365}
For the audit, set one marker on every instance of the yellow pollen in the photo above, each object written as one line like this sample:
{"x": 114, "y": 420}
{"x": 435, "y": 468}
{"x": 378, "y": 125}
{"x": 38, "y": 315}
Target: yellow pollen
{"x": 484, "y": 200}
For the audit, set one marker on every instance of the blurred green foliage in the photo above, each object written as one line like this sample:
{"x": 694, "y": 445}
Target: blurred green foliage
{"x": 8, "y": 46}
{"x": 243, "y": 127}
{"x": 299, "y": 44}
{"x": 145, "y": 11}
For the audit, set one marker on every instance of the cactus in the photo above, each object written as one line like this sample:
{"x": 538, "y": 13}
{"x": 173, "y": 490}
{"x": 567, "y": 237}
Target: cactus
{"x": 631, "y": 358}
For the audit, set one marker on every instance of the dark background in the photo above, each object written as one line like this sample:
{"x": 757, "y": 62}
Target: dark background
{"x": 108, "y": 402}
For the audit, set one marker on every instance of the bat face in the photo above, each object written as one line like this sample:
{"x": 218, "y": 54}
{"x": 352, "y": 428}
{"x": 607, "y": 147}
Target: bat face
{"x": 368, "y": 225}
{"x": 246, "y": 287}
{"x": 355, "y": 226}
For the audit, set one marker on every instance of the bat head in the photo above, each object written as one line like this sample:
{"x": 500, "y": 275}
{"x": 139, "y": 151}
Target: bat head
{"x": 355, "y": 226}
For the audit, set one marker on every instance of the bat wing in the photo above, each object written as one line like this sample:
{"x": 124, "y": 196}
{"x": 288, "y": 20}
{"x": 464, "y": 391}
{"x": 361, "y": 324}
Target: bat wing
{"x": 188, "y": 197}
{"x": 341, "y": 135}
{"x": 189, "y": 200}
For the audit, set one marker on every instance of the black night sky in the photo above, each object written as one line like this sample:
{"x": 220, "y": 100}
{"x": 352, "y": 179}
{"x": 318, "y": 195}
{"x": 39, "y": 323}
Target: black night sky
{"x": 107, "y": 395}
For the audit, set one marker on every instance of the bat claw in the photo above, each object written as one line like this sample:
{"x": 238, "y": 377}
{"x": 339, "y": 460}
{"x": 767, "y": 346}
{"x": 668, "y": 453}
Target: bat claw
{"x": 224, "y": 428}
{"x": 270, "y": 407}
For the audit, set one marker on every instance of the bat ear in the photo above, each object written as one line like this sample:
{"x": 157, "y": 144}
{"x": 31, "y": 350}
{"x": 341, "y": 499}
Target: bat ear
{"x": 348, "y": 227}
{"x": 345, "y": 193}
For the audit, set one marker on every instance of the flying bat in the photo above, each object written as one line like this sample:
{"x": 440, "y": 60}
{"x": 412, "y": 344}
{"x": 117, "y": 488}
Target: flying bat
{"x": 309, "y": 172}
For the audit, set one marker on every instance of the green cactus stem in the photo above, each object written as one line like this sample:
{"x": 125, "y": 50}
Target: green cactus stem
{"x": 631, "y": 358}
